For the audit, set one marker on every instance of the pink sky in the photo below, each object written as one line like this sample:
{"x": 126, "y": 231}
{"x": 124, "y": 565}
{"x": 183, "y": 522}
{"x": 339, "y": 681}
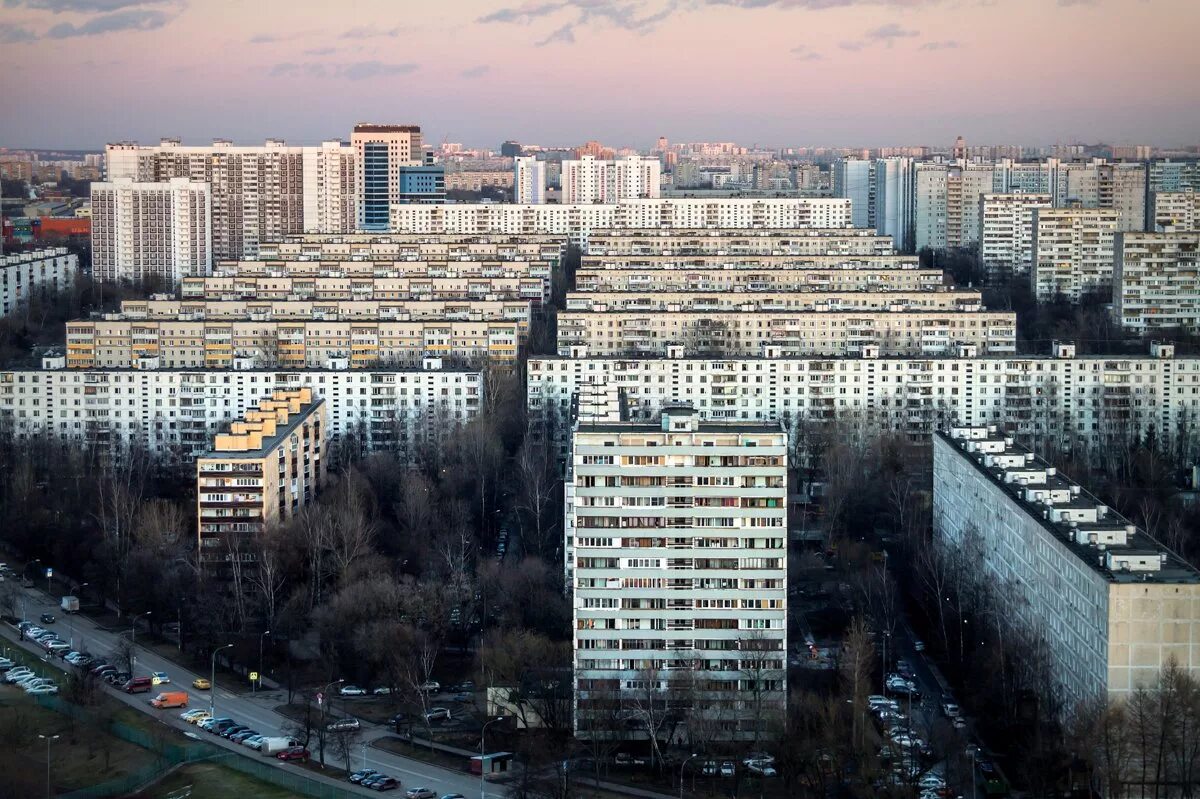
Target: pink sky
{"x": 774, "y": 72}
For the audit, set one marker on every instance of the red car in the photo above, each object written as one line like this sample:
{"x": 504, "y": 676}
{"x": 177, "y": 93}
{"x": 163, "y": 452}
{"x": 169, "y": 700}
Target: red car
{"x": 294, "y": 753}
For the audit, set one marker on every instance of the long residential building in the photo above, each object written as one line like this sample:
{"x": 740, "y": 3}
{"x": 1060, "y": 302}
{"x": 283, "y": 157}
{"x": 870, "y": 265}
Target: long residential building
{"x": 301, "y": 271}
{"x": 577, "y": 221}
{"x": 363, "y": 344}
{"x": 338, "y": 285}
{"x": 1156, "y": 283}
{"x": 592, "y": 180}
{"x": 1105, "y": 604}
{"x": 735, "y": 243}
{"x": 264, "y": 470}
{"x": 1077, "y": 397}
{"x": 1072, "y": 252}
{"x": 832, "y": 274}
{"x": 146, "y": 230}
{"x": 787, "y": 333}
{"x": 24, "y": 274}
{"x": 763, "y": 302}
{"x": 1176, "y": 210}
{"x": 414, "y": 246}
{"x": 1006, "y": 234}
{"x": 160, "y": 307}
{"x": 259, "y": 193}
{"x": 676, "y": 549}
{"x": 177, "y": 411}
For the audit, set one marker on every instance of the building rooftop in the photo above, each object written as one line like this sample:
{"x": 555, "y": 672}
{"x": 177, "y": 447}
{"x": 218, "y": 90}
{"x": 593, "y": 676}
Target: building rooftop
{"x": 264, "y": 428}
{"x": 12, "y": 259}
{"x": 1093, "y": 531}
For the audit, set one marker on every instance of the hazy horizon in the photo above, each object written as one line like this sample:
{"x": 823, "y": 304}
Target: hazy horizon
{"x": 777, "y": 73}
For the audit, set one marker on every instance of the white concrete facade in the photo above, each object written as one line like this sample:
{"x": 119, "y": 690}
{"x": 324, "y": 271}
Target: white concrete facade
{"x": 1006, "y": 233}
{"x": 1156, "y": 282}
{"x": 1072, "y": 252}
{"x": 1111, "y": 606}
{"x": 591, "y": 180}
{"x": 1176, "y": 210}
{"x": 676, "y": 553}
{"x": 24, "y": 274}
{"x": 529, "y": 180}
{"x": 151, "y": 230}
{"x": 329, "y": 188}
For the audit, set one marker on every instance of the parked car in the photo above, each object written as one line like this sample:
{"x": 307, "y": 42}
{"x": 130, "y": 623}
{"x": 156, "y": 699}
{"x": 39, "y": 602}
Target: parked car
{"x": 454, "y": 796}
{"x": 627, "y": 759}
{"x": 384, "y": 783}
{"x": 760, "y": 767}
{"x": 349, "y": 723}
{"x": 950, "y": 709}
{"x": 190, "y": 716}
{"x": 201, "y": 684}
{"x": 18, "y": 673}
{"x": 381, "y": 690}
{"x": 918, "y": 645}
{"x": 208, "y": 724}
{"x": 232, "y": 730}
{"x": 362, "y": 774}
{"x": 243, "y": 735}
{"x": 117, "y": 678}
{"x": 436, "y": 713}
{"x": 6, "y": 664}
{"x": 421, "y": 793}
{"x": 727, "y": 769}
{"x": 352, "y": 690}
{"x": 253, "y": 741}
{"x": 100, "y": 667}
{"x": 30, "y": 682}
{"x": 959, "y": 723}
{"x": 160, "y": 678}
{"x": 137, "y": 685}
{"x": 47, "y": 618}
{"x": 430, "y": 687}
{"x": 931, "y": 780}
{"x": 41, "y": 690}
{"x": 294, "y": 753}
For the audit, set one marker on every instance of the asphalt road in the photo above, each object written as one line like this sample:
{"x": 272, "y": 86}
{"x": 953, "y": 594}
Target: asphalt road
{"x": 255, "y": 712}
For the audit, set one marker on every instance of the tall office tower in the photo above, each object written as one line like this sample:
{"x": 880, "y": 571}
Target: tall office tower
{"x": 1122, "y": 187}
{"x": 1072, "y": 251}
{"x": 529, "y": 180}
{"x": 895, "y": 199}
{"x": 1110, "y": 606}
{"x": 591, "y": 180}
{"x": 682, "y": 602}
{"x": 1156, "y": 282}
{"x": 1006, "y": 233}
{"x": 932, "y": 209}
{"x": 853, "y": 180}
{"x": 510, "y": 149}
{"x": 144, "y": 230}
{"x": 264, "y": 471}
{"x": 329, "y": 188}
{"x": 379, "y": 152}
{"x": 1176, "y": 210}
{"x": 259, "y": 193}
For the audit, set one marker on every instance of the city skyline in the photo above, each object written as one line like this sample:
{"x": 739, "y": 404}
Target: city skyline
{"x": 822, "y": 72}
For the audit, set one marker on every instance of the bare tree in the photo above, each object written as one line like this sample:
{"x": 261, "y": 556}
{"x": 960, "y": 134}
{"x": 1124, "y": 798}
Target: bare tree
{"x": 538, "y": 488}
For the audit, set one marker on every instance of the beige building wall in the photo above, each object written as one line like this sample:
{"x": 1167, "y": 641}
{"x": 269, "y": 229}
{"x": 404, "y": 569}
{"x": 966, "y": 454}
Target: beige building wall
{"x": 1150, "y": 624}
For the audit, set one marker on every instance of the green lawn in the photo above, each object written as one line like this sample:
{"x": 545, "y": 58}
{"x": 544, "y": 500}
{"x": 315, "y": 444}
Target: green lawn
{"x": 210, "y": 781}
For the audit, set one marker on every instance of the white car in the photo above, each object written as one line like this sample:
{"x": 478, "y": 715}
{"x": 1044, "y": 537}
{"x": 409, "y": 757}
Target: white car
{"x": 351, "y": 690}
{"x": 19, "y": 673}
{"x": 48, "y": 688}
{"x": 254, "y": 741}
{"x": 29, "y": 680}
{"x": 431, "y": 687}
{"x": 760, "y": 767}
{"x": 5, "y": 663}
{"x": 38, "y": 683}
{"x": 932, "y": 780}
{"x": 438, "y": 713}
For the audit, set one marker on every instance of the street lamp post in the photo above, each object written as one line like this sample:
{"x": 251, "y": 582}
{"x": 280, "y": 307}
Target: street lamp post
{"x": 133, "y": 642}
{"x": 48, "y": 739}
{"x": 260, "y": 659}
{"x": 681, "y": 768}
{"x": 325, "y": 700}
{"x": 483, "y": 753}
{"x": 212, "y": 682}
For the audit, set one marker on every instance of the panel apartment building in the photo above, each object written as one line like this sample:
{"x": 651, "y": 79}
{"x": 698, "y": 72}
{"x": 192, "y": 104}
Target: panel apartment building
{"x": 786, "y": 333}
{"x": 1112, "y": 606}
{"x": 592, "y": 180}
{"x": 1088, "y": 398}
{"x": 676, "y": 552}
{"x": 1176, "y": 210}
{"x": 259, "y": 193}
{"x": 577, "y": 221}
{"x": 1072, "y": 252}
{"x": 177, "y": 411}
{"x": 1157, "y": 282}
{"x": 143, "y": 230}
{"x": 765, "y": 302}
{"x": 820, "y": 274}
{"x": 24, "y": 274}
{"x": 737, "y": 242}
{"x": 1006, "y": 234}
{"x": 262, "y": 472}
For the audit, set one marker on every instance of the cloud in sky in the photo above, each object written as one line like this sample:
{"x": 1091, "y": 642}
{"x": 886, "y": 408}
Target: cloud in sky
{"x": 947, "y": 44}
{"x": 80, "y": 6}
{"x": 640, "y": 17}
{"x": 805, "y": 53}
{"x": 563, "y": 35}
{"x": 16, "y": 34}
{"x": 353, "y": 70}
{"x": 890, "y": 32}
{"x": 133, "y": 19}
{"x": 475, "y": 72}
{"x": 368, "y": 32}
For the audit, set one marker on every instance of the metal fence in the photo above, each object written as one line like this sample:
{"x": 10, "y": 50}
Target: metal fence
{"x": 171, "y": 754}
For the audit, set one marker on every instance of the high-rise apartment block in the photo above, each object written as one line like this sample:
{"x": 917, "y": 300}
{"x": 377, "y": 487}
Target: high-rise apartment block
{"x": 1109, "y": 606}
{"x": 1072, "y": 252}
{"x": 262, "y": 472}
{"x": 1006, "y": 233}
{"x": 259, "y": 193}
{"x": 591, "y": 180}
{"x": 1176, "y": 210}
{"x": 676, "y": 554}
{"x": 895, "y": 201}
{"x": 24, "y": 274}
{"x": 151, "y": 230}
{"x": 853, "y": 179}
{"x": 1156, "y": 282}
{"x": 529, "y": 180}
{"x": 379, "y": 153}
